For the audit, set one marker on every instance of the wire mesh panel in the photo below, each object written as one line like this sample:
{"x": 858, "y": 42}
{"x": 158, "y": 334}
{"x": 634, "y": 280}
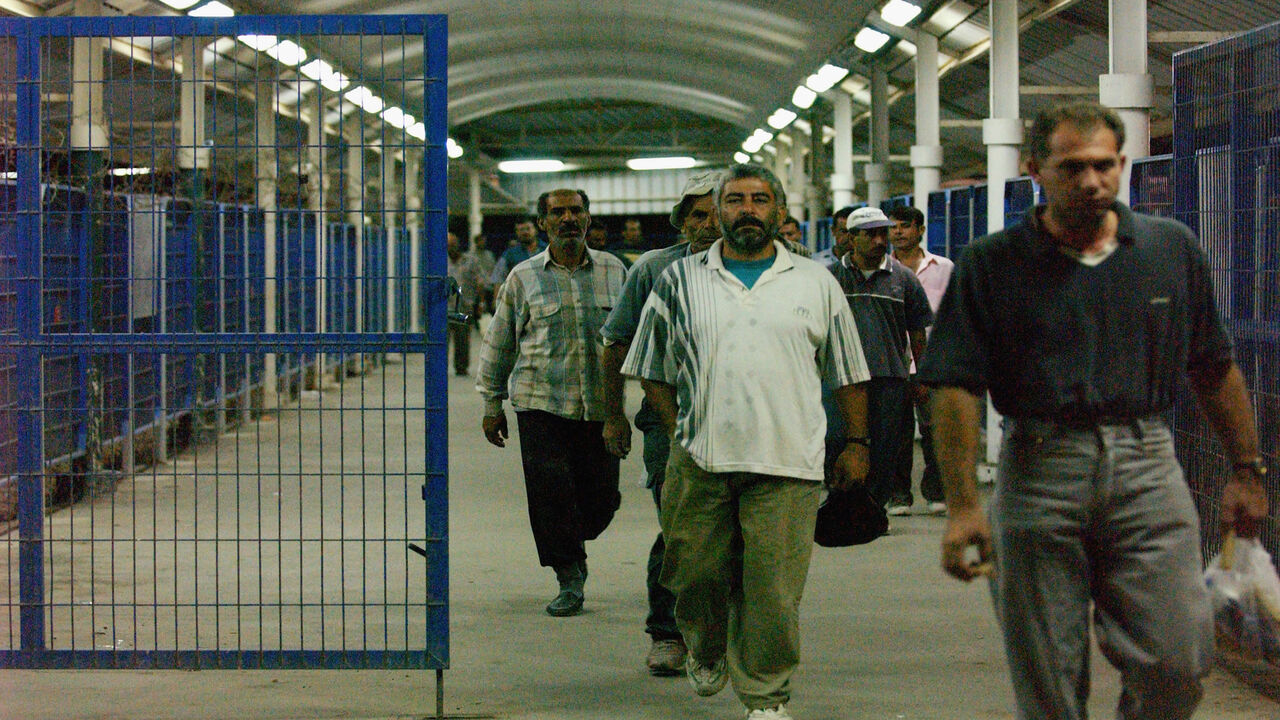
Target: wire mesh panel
{"x": 202, "y": 461}
{"x": 1226, "y": 187}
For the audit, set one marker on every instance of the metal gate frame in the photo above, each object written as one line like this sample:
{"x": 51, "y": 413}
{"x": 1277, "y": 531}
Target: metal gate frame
{"x": 31, "y": 344}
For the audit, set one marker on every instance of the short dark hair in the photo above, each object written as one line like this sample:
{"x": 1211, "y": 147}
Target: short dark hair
{"x": 907, "y": 214}
{"x": 750, "y": 170}
{"x": 1082, "y": 115}
{"x": 843, "y": 212}
{"x": 791, "y": 220}
{"x": 542, "y": 199}
{"x": 527, "y": 219}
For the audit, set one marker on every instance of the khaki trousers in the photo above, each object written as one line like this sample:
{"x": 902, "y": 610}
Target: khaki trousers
{"x": 738, "y": 548}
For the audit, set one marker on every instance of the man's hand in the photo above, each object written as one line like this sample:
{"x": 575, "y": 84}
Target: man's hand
{"x": 965, "y": 528}
{"x": 617, "y": 435}
{"x": 851, "y": 466}
{"x": 1244, "y": 504}
{"x": 495, "y": 429}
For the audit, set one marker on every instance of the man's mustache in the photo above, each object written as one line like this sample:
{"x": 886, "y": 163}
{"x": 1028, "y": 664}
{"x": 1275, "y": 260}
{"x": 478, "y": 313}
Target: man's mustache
{"x": 747, "y": 220}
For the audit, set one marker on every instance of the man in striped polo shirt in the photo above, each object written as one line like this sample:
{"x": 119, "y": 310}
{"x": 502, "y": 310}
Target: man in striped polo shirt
{"x": 732, "y": 349}
{"x": 542, "y": 350}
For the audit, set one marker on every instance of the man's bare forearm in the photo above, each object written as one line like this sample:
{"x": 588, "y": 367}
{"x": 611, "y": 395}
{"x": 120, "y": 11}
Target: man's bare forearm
{"x": 851, "y": 400}
{"x": 615, "y": 393}
{"x": 662, "y": 398}
{"x": 955, "y": 441}
{"x": 1224, "y": 397}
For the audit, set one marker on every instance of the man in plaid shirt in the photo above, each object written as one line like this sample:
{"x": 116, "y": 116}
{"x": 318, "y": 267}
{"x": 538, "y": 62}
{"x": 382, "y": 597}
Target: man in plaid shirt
{"x": 542, "y": 350}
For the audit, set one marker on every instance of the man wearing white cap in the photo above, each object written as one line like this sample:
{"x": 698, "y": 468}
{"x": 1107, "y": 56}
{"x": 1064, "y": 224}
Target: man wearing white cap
{"x": 892, "y": 312}
{"x": 694, "y": 216}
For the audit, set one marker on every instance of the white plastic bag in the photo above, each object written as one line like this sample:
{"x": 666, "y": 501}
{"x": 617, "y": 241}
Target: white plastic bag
{"x": 1245, "y": 591}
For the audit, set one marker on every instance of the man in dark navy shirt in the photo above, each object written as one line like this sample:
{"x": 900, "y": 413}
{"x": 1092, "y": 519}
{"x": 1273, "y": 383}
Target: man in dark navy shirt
{"x": 1080, "y": 321}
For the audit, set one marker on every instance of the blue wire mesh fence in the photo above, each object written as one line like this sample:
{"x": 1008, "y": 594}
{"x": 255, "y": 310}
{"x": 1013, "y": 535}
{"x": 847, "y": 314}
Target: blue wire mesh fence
{"x": 218, "y": 440}
{"x": 1226, "y": 180}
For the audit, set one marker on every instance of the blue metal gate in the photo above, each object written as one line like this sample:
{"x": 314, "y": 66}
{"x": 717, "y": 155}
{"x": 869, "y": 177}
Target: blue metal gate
{"x": 203, "y": 460}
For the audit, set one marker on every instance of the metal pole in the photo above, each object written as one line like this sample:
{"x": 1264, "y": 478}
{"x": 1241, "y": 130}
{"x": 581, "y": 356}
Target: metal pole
{"x": 267, "y": 177}
{"x": 1128, "y": 87}
{"x": 842, "y": 146}
{"x": 878, "y": 169}
{"x": 926, "y": 154}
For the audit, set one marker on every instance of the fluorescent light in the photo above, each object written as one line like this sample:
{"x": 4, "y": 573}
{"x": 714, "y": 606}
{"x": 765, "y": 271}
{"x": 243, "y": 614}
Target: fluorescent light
{"x": 661, "y": 163}
{"x": 417, "y": 130}
{"x": 899, "y": 12}
{"x": 530, "y": 166}
{"x": 803, "y": 97}
{"x": 129, "y": 171}
{"x": 366, "y": 100}
{"x": 756, "y": 141}
{"x": 826, "y": 78}
{"x": 213, "y": 9}
{"x": 741, "y": 158}
{"x": 452, "y": 147}
{"x": 261, "y": 43}
{"x": 781, "y": 118}
{"x": 179, "y": 4}
{"x": 288, "y": 53}
{"x": 324, "y": 73}
{"x": 9, "y": 176}
{"x": 396, "y": 117}
{"x": 868, "y": 40}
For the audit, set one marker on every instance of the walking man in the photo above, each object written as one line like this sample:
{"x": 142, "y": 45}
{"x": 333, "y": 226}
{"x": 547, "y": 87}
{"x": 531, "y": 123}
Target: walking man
{"x": 464, "y": 268}
{"x": 892, "y": 312}
{"x": 1080, "y": 320}
{"x": 736, "y": 377}
{"x": 542, "y": 350}
{"x": 526, "y": 245}
{"x": 933, "y": 272}
{"x": 694, "y": 215}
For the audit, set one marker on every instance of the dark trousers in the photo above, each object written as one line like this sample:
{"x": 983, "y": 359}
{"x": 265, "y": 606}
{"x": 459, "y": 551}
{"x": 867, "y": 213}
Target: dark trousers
{"x": 661, "y": 622}
{"x": 891, "y": 430}
{"x": 571, "y": 481}
{"x": 460, "y": 334}
{"x": 931, "y": 478}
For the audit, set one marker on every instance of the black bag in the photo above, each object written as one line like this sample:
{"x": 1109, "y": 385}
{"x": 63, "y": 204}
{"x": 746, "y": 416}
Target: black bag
{"x": 849, "y": 517}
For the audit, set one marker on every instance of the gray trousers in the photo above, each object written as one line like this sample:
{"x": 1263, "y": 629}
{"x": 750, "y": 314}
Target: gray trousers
{"x": 1099, "y": 516}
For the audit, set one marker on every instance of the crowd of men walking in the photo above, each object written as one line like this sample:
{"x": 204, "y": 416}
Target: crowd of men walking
{"x": 768, "y": 374}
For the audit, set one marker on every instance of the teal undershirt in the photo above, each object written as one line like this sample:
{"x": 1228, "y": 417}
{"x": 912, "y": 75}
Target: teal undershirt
{"x": 748, "y": 271}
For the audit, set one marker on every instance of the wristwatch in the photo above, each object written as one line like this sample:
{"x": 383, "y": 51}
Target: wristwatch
{"x": 864, "y": 441}
{"x": 1256, "y": 466}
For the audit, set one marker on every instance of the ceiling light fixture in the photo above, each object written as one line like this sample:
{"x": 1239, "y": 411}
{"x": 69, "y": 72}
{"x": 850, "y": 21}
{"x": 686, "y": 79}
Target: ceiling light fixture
{"x": 324, "y": 73}
{"x": 803, "y": 97}
{"x": 213, "y": 9}
{"x": 396, "y": 117}
{"x": 780, "y": 118}
{"x": 179, "y": 4}
{"x": 530, "y": 166}
{"x": 366, "y": 100}
{"x": 826, "y": 78}
{"x": 130, "y": 171}
{"x": 287, "y": 53}
{"x": 261, "y": 43}
{"x": 451, "y": 147}
{"x": 662, "y": 163}
{"x": 869, "y": 41}
{"x": 741, "y": 158}
{"x": 899, "y": 12}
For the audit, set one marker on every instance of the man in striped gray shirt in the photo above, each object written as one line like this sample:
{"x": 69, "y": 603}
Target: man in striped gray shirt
{"x": 732, "y": 349}
{"x": 542, "y": 350}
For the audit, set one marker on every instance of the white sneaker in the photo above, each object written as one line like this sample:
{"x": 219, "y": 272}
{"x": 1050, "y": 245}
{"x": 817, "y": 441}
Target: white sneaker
{"x": 898, "y": 510}
{"x": 706, "y": 680}
{"x": 773, "y": 713}
{"x": 937, "y": 508}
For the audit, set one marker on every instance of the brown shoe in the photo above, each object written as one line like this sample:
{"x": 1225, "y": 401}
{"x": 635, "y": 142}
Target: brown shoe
{"x": 666, "y": 658}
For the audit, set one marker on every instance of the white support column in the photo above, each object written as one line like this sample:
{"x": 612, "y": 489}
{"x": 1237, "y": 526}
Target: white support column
{"x": 87, "y": 129}
{"x": 192, "y": 152}
{"x": 267, "y": 181}
{"x": 812, "y": 191}
{"x": 387, "y": 189}
{"x": 1128, "y": 87}
{"x": 1002, "y": 133}
{"x": 842, "y": 150}
{"x": 415, "y": 224}
{"x": 878, "y": 169}
{"x": 795, "y": 188}
{"x": 354, "y": 189}
{"x": 926, "y": 154}
{"x": 315, "y": 206}
{"x": 780, "y": 162}
{"x": 475, "y": 211}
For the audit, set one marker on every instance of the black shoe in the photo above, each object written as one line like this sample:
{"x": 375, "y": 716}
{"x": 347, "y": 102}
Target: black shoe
{"x": 571, "y": 578}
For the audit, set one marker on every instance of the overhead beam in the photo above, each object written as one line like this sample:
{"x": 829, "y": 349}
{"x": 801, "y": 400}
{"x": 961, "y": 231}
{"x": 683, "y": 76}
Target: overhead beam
{"x": 1185, "y": 37}
{"x": 21, "y": 8}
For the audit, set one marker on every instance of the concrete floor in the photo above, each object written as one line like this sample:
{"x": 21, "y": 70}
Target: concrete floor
{"x": 886, "y": 635}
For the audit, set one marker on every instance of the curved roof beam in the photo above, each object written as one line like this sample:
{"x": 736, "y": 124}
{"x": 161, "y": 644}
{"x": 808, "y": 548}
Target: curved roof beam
{"x": 535, "y": 92}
